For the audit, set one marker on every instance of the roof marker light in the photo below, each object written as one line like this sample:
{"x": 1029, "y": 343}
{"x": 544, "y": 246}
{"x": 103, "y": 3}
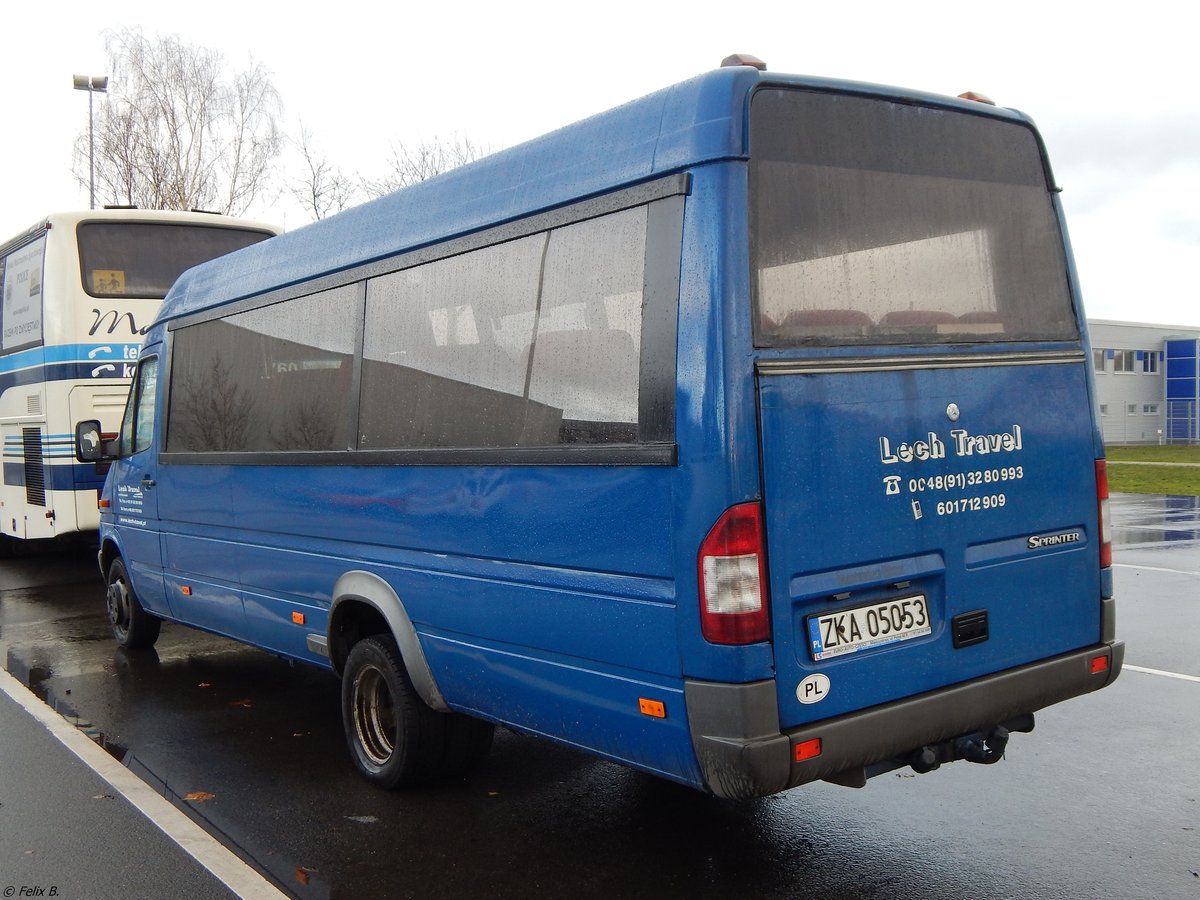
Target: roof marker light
{"x": 744, "y": 59}
{"x": 977, "y": 97}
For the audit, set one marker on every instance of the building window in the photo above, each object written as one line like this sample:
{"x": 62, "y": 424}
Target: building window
{"x": 1150, "y": 362}
{"x": 1150, "y": 409}
{"x": 1104, "y": 409}
{"x": 1098, "y": 360}
{"x": 1124, "y": 360}
{"x": 1132, "y": 409}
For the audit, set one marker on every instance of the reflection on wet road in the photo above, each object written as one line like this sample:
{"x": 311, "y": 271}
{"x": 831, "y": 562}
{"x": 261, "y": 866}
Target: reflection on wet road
{"x": 1142, "y": 521}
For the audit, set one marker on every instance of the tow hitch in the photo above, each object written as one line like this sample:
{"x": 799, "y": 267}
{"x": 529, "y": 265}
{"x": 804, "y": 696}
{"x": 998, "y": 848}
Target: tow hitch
{"x": 985, "y": 751}
{"x": 983, "y": 747}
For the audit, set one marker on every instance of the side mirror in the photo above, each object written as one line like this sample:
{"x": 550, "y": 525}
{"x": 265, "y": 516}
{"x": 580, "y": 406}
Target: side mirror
{"x": 89, "y": 444}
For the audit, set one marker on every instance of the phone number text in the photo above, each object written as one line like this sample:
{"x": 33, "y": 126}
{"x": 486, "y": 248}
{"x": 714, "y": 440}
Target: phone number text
{"x": 970, "y": 504}
{"x": 960, "y": 481}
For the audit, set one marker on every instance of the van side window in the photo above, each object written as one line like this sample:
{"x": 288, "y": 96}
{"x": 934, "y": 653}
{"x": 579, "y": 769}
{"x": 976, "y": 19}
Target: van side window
{"x": 528, "y": 339}
{"x": 137, "y": 425}
{"x": 533, "y": 342}
{"x": 277, "y": 378}
{"x": 143, "y": 431}
{"x": 585, "y": 359}
{"x": 446, "y": 352}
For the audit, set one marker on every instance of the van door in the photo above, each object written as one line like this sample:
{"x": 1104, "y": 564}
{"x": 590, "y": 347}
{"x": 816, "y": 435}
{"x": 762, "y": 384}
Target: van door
{"x": 926, "y": 524}
{"x": 133, "y": 479}
{"x": 927, "y": 434}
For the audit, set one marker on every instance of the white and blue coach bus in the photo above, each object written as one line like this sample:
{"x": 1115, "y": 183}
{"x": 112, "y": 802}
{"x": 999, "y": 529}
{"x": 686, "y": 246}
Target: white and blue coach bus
{"x": 79, "y": 290}
{"x": 743, "y": 434}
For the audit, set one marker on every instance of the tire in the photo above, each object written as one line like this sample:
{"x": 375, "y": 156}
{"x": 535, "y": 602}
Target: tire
{"x": 395, "y": 739}
{"x": 132, "y": 626}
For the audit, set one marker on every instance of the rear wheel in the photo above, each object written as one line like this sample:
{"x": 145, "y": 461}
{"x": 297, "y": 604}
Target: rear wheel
{"x": 395, "y": 739}
{"x": 132, "y": 626}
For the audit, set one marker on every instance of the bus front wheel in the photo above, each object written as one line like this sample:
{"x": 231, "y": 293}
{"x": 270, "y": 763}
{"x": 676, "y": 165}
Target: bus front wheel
{"x": 132, "y": 626}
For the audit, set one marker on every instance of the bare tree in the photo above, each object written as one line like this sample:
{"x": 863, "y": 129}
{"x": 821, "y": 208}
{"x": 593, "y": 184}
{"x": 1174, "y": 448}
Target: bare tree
{"x": 178, "y": 132}
{"x": 411, "y": 165}
{"x": 323, "y": 189}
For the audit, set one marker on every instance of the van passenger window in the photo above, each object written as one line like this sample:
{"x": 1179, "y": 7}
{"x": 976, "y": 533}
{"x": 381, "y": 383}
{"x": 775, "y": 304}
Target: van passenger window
{"x": 147, "y": 392}
{"x": 276, "y": 378}
{"x": 530, "y": 343}
{"x": 137, "y": 424}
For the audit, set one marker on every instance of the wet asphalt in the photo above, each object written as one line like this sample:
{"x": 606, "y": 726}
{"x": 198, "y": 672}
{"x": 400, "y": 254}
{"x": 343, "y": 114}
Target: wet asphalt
{"x": 1101, "y": 800}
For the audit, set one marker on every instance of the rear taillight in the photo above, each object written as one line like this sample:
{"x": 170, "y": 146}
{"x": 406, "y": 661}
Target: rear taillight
{"x": 733, "y": 579}
{"x": 1105, "y": 517}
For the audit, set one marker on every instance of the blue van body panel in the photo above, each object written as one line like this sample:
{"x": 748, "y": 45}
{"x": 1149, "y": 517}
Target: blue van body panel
{"x": 715, "y": 419}
{"x": 504, "y": 633}
{"x": 580, "y": 705}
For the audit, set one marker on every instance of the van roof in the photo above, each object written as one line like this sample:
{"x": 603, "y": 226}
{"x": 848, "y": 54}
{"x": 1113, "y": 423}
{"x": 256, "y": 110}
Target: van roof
{"x": 696, "y": 121}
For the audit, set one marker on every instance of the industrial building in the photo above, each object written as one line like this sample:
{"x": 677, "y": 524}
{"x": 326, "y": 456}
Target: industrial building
{"x": 1147, "y": 381}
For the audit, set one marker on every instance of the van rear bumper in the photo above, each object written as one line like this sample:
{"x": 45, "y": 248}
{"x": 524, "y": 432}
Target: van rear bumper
{"x": 743, "y": 753}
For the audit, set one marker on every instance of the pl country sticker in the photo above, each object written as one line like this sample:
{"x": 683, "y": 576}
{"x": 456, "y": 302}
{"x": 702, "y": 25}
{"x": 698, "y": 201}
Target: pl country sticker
{"x": 813, "y": 689}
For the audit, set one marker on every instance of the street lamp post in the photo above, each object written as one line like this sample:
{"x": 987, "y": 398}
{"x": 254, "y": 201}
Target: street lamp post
{"x": 93, "y": 84}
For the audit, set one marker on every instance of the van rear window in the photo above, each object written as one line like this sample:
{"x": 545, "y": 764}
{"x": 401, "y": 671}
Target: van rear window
{"x": 876, "y": 222}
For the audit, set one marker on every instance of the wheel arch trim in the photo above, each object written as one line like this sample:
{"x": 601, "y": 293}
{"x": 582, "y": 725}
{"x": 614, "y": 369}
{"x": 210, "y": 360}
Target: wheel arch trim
{"x": 370, "y": 589}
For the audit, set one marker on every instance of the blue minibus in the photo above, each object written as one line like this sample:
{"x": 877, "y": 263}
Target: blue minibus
{"x": 743, "y": 434}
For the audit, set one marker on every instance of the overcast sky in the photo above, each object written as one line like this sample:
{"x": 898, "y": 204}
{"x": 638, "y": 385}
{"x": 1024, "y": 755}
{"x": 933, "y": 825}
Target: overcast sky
{"x": 1114, "y": 94}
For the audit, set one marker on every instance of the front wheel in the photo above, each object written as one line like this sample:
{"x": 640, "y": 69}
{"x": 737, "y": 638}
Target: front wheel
{"x": 132, "y": 626}
{"x": 396, "y": 740}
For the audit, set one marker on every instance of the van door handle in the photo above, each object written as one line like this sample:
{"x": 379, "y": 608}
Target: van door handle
{"x": 148, "y": 482}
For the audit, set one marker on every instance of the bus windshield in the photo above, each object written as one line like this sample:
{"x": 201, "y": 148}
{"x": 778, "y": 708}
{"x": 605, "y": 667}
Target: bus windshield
{"x": 876, "y": 222}
{"x": 143, "y": 259}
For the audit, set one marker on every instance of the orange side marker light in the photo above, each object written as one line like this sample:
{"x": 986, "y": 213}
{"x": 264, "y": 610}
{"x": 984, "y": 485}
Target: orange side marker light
{"x": 655, "y": 708}
{"x": 298, "y": 618}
